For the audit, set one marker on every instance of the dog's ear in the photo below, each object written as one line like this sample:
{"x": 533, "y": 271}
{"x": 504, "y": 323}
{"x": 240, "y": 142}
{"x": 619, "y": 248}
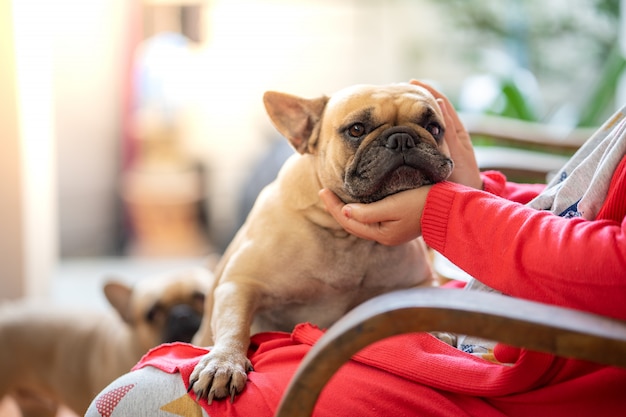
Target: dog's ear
{"x": 295, "y": 117}
{"x": 119, "y": 296}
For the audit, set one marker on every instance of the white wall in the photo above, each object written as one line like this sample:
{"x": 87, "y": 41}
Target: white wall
{"x": 28, "y": 242}
{"x": 90, "y": 62}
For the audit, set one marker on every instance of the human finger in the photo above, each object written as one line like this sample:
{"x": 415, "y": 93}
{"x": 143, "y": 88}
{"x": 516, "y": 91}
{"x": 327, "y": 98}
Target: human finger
{"x": 342, "y": 213}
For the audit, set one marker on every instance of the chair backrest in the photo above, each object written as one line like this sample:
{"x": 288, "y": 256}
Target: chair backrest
{"x": 523, "y": 151}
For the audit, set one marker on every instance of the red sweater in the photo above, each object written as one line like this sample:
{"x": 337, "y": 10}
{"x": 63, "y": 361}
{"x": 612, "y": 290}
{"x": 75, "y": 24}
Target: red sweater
{"x": 540, "y": 256}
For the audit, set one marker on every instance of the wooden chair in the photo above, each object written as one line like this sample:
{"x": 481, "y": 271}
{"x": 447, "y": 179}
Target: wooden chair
{"x": 524, "y": 151}
{"x": 516, "y": 322}
{"x": 522, "y": 323}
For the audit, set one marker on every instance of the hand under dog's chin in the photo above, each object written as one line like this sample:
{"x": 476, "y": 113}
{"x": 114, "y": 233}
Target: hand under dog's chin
{"x": 401, "y": 179}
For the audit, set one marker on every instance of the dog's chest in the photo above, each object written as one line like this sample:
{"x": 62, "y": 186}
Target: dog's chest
{"x": 339, "y": 280}
{"x": 321, "y": 312}
{"x": 365, "y": 265}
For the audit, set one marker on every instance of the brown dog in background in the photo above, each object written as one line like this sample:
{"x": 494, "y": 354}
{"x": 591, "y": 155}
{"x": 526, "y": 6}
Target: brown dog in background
{"x": 52, "y": 356}
{"x": 291, "y": 262}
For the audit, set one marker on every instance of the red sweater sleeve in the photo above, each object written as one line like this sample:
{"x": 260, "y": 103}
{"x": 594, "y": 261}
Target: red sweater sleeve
{"x": 495, "y": 183}
{"x": 528, "y": 253}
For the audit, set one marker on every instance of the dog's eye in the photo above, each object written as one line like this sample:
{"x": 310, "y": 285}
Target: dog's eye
{"x": 356, "y": 130}
{"x": 435, "y": 129}
{"x": 157, "y": 312}
{"x": 197, "y": 301}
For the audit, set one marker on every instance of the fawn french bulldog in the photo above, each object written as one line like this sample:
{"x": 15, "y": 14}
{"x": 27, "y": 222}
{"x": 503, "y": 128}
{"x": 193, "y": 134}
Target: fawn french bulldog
{"x": 291, "y": 262}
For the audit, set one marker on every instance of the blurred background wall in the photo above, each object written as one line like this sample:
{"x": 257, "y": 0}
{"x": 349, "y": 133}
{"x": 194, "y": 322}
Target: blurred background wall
{"x": 158, "y": 124}
{"x": 210, "y": 88}
{"x": 91, "y": 48}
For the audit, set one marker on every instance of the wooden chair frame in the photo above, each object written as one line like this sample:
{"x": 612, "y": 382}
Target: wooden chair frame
{"x": 540, "y": 327}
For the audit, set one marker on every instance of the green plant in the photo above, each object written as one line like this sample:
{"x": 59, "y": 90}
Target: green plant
{"x": 562, "y": 43}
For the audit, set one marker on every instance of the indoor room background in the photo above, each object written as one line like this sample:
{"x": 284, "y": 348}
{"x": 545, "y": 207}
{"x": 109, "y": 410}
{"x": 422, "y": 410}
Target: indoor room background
{"x": 135, "y": 130}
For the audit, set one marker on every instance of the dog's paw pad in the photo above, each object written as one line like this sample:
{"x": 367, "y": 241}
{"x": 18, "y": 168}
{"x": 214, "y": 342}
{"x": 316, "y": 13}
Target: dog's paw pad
{"x": 219, "y": 375}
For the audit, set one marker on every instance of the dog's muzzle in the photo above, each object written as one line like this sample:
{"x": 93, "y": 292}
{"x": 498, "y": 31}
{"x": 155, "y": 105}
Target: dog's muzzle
{"x": 398, "y": 159}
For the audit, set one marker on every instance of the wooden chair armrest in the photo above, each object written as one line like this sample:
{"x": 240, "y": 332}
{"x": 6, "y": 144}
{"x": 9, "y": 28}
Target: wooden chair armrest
{"x": 535, "y": 326}
{"x": 514, "y": 130}
{"x": 523, "y": 151}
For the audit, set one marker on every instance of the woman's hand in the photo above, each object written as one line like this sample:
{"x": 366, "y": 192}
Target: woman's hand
{"x": 391, "y": 221}
{"x": 458, "y": 141}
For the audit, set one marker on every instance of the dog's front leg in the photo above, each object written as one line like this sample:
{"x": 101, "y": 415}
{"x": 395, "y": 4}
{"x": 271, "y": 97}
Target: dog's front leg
{"x": 223, "y": 371}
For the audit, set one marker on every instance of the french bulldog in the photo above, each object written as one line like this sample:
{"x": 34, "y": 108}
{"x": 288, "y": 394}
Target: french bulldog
{"x": 291, "y": 262}
{"x": 52, "y": 356}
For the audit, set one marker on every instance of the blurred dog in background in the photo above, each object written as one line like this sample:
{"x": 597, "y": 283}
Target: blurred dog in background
{"x": 52, "y": 355}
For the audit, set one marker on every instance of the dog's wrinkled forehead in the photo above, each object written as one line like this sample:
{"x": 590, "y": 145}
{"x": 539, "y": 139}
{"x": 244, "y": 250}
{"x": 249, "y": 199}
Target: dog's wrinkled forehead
{"x": 383, "y": 102}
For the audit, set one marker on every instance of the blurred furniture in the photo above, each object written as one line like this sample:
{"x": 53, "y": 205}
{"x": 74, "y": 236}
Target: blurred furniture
{"x": 523, "y": 151}
{"x": 163, "y": 192}
{"x": 516, "y": 322}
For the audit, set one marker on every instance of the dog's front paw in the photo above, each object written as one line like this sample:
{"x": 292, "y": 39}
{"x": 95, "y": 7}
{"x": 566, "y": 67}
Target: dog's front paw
{"x": 220, "y": 374}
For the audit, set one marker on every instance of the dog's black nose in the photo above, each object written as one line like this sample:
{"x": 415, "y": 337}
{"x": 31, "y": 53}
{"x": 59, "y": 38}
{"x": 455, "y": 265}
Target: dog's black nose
{"x": 182, "y": 324}
{"x": 400, "y": 142}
